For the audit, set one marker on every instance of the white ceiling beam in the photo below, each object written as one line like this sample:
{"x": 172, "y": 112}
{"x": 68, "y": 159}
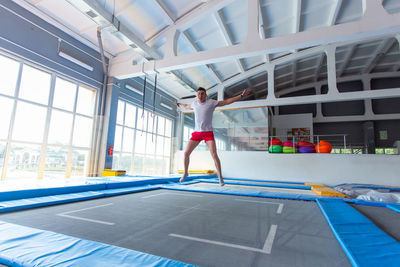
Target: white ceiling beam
{"x": 381, "y": 50}
{"x": 191, "y": 18}
{"x": 334, "y": 12}
{"x": 366, "y": 27}
{"x": 165, "y": 11}
{"x": 213, "y": 72}
{"x": 331, "y": 21}
{"x": 227, "y": 36}
{"x": 347, "y": 59}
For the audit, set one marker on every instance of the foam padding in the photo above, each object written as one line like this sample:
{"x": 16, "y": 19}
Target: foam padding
{"x": 395, "y": 207}
{"x": 25, "y": 246}
{"x": 326, "y": 191}
{"x": 363, "y": 242}
{"x": 260, "y": 185}
{"x": 240, "y": 192}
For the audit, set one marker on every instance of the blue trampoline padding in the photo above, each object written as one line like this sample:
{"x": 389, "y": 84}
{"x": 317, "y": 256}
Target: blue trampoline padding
{"x": 29, "y": 193}
{"x": 264, "y": 181}
{"x": 395, "y": 207}
{"x": 25, "y": 246}
{"x": 363, "y": 242}
{"x": 34, "y": 202}
{"x": 304, "y": 187}
{"x": 242, "y": 192}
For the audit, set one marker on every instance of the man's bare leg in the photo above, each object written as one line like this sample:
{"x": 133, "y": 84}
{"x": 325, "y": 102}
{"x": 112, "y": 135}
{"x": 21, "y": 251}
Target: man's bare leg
{"x": 213, "y": 150}
{"x": 189, "y": 149}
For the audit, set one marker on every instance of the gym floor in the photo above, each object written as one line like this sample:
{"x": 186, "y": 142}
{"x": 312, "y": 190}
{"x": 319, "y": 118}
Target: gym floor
{"x": 198, "y": 228}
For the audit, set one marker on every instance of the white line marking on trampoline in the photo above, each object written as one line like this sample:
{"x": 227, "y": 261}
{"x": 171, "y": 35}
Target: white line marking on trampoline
{"x": 279, "y": 210}
{"x": 171, "y": 194}
{"x": 64, "y": 214}
{"x": 270, "y": 239}
{"x": 266, "y": 249}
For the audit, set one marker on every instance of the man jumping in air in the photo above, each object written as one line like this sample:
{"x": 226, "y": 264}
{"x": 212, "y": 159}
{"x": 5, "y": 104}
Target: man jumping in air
{"x": 203, "y": 112}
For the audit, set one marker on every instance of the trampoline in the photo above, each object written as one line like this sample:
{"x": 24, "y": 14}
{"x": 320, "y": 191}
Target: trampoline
{"x": 162, "y": 223}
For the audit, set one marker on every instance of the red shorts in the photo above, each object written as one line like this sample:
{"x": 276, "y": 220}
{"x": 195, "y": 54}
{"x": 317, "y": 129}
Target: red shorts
{"x": 200, "y": 136}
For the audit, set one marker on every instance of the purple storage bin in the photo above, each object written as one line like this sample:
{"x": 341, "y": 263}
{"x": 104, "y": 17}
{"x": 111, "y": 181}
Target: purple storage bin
{"x": 306, "y": 149}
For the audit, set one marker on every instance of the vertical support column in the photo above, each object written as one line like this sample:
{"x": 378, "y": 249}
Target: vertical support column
{"x": 319, "y": 114}
{"x": 110, "y": 121}
{"x": 367, "y": 102}
{"x": 220, "y": 91}
{"x": 369, "y": 137}
{"x": 171, "y": 44}
{"x": 271, "y": 84}
{"x": 331, "y": 62}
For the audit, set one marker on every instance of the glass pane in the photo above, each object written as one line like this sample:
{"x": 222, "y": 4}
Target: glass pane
{"x": 166, "y": 166}
{"x": 80, "y": 163}
{"x": 138, "y": 161}
{"x": 118, "y": 138}
{"x": 56, "y": 163}
{"x": 160, "y": 146}
{"x": 24, "y": 162}
{"x": 141, "y": 120}
{"x": 35, "y": 85}
{"x": 29, "y": 122}
{"x": 151, "y": 127}
{"x": 86, "y": 101}
{"x": 161, "y": 125}
{"x": 60, "y": 127}
{"x": 130, "y": 115}
{"x": 2, "y": 155}
{"x": 6, "y": 106}
{"x": 140, "y": 142}
{"x": 159, "y": 168}
{"x": 82, "y": 131}
{"x": 64, "y": 94}
{"x": 120, "y": 112}
{"x": 168, "y": 127}
{"x": 125, "y": 162}
{"x": 115, "y": 161}
{"x": 8, "y": 75}
{"x": 151, "y": 144}
{"x": 167, "y": 147}
{"x": 148, "y": 165}
{"x": 127, "y": 145}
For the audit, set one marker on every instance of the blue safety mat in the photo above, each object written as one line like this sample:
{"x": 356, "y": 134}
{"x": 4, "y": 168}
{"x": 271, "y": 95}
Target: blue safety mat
{"x": 304, "y": 187}
{"x": 25, "y": 246}
{"x": 364, "y": 243}
{"x": 264, "y": 181}
{"x": 241, "y": 192}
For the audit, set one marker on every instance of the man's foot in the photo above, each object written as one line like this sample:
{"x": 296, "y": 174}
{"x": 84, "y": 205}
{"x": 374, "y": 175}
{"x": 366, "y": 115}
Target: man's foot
{"x": 221, "y": 182}
{"x": 183, "y": 178}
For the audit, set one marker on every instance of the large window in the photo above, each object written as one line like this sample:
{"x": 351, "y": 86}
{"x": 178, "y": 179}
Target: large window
{"x": 142, "y": 143}
{"x": 45, "y": 123}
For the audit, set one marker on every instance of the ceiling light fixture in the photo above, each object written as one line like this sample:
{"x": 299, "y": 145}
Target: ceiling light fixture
{"x": 76, "y": 61}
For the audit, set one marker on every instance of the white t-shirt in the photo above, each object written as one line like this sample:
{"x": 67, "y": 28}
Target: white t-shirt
{"x": 203, "y": 113}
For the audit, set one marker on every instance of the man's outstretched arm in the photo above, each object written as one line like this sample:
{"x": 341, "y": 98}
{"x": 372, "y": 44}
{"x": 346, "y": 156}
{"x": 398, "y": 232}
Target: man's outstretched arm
{"x": 185, "y": 106}
{"x": 233, "y": 99}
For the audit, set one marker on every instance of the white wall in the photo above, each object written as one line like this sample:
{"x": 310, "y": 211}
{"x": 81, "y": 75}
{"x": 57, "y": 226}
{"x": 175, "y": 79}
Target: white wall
{"x": 328, "y": 169}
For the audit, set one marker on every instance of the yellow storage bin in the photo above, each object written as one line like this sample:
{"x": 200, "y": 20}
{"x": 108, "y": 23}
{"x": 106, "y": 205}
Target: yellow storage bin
{"x": 109, "y": 172}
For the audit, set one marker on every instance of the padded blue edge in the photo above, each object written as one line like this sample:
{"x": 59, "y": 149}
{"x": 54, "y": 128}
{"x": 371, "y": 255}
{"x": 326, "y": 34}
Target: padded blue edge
{"x": 265, "y": 181}
{"x": 395, "y": 207}
{"x": 241, "y": 192}
{"x": 25, "y": 246}
{"x": 363, "y": 242}
{"x": 40, "y": 192}
{"x": 304, "y": 187}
